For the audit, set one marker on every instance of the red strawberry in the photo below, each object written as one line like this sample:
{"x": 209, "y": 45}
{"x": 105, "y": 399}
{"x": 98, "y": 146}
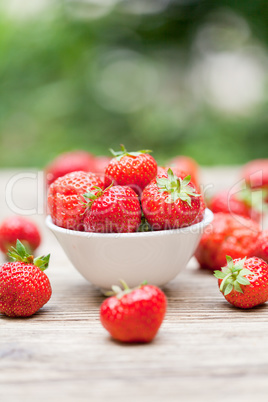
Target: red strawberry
{"x": 227, "y": 235}
{"x": 201, "y": 213}
{"x": 24, "y": 287}
{"x": 100, "y": 164}
{"x": 186, "y": 164}
{"x": 65, "y": 198}
{"x": 244, "y": 282}
{"x": 262, "y": 246}
{"x": 255, "y": 173}
{"x": 241, "y": 203}
{"x": 69, "y": 162}
{"x": 134, "y": 315}
{"x": 169, "y": 202}
{"x": 114, "y": 210}
{"x": 133, "y": 169}
{"x": 18, "y": 227}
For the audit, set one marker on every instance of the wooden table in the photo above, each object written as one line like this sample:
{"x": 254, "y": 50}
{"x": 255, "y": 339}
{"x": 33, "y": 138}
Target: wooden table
{"x": 206, "y": 350}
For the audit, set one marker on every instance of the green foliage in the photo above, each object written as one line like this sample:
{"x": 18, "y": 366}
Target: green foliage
{"x": 71, "y": 83}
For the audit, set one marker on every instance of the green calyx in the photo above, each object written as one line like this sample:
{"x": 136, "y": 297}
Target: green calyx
{"x": 253, "y": 198}
{"x": 119, "y": 293}
{"x": 144, "y": 225}
{"x": 118, "y": 155}
{"x": 233, "y": 275}
{"x": 177, "y": 188}
{"x": 91, "y": 197}
{"x": 19, "y": 253}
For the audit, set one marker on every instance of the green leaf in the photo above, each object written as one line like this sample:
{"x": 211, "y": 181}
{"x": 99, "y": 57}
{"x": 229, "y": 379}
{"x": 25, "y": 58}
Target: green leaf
{"x": 116, "y": 289}
{"x": 119, "y": 154}
{"x": 20, "y": 249}
{"x": 91, "y": 196}
{"x": 245, "y": 271}
{"x": 161, "y": 182}
{"x": 229, "y": 261}
{"x": 170, "y": 175}
{"x": 237, "y": 287}
{"x": 228, "y": 289}
{"x": 226, "y": 270}
{"x": 240, "y": 264}
{"x": 219, "y": 274}
{"x": 242, "y": 280}
{"x": 42, "y": 261}
{"x": 186, "y": 180}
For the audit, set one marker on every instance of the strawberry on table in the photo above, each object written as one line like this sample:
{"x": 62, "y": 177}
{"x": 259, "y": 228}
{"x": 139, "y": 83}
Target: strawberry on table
{"x": 65, "y": 198}
{"x": 18, "y": 227}
{"x": 227, "y": 235}
{"x": 255, "y": 174}
{"x": 170, "y": 202}
{"x": 69, "y": 162}
{"x": 241, "y": 203}
{"x": 134, "y": 315}
{"x": 244, "y": 282}
{"x": 113, "y": 210}
{"x": 133, "y": 169}
{"x": 262, "y": 246}
{"x": 24, "y": 287}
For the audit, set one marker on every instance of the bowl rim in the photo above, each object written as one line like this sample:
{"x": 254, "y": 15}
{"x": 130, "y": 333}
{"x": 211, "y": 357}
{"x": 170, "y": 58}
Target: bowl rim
{"x": 196, "y": 228}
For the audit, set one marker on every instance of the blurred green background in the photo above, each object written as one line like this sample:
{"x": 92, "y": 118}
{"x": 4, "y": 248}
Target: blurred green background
{"x": 175, "y": 76}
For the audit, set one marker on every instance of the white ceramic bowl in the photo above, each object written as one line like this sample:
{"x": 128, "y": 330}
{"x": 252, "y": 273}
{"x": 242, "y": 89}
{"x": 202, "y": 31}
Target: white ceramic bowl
{"x": 104, "y": 258}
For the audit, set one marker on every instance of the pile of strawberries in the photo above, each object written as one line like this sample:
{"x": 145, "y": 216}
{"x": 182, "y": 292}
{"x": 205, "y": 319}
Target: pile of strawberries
{"x": 130, "y": 193}
{"x": 133, "y": 191}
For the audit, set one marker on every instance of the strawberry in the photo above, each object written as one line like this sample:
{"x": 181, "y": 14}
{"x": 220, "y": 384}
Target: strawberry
{"x": 100, "y": 164}
{"x": 133, "y": 169}
{"x": 162, "y": 171}
{"x": 69, "y": 162}
{"x": 242, "y": 203}
{"x": 24, "y": 287}
{"x": 255, "y": 173}
{"x": 114, "y": 210}
{"x": 65, "y": 198}
{"x": 262, "y": 246}
{"x": 201, "y": 213}
{"x": 18, "y": 227}
{"x": 227, "y": 235}
{"x": 134, "y": 315}
{"x": 170, "y": 202}
{"x": 188, "y": 165}
{"x": 244, "y": 282}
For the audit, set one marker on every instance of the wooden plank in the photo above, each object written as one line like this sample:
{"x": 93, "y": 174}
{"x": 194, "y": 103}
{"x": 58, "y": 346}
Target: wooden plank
{"x": 206, "y": 350}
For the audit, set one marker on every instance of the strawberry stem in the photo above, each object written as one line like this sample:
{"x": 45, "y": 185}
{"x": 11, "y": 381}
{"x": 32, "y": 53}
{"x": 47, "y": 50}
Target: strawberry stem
{"x": 119, "y": 293}
{"x": 119, "y": 154}
{"x": 19, "y": 253}
{"x": 176, "y": 187}
{"x": 233, "y": 275}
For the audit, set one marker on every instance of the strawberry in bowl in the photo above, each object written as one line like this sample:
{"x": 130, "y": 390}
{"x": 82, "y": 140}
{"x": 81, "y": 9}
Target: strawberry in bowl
{"x": 133, "y": 169}
{"x": 116, "y": 234}
{"x": 170, "y": 202}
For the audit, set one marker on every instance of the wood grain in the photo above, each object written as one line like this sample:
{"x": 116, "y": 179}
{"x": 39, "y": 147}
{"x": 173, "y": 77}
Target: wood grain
{"x": 206, "y": 350}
